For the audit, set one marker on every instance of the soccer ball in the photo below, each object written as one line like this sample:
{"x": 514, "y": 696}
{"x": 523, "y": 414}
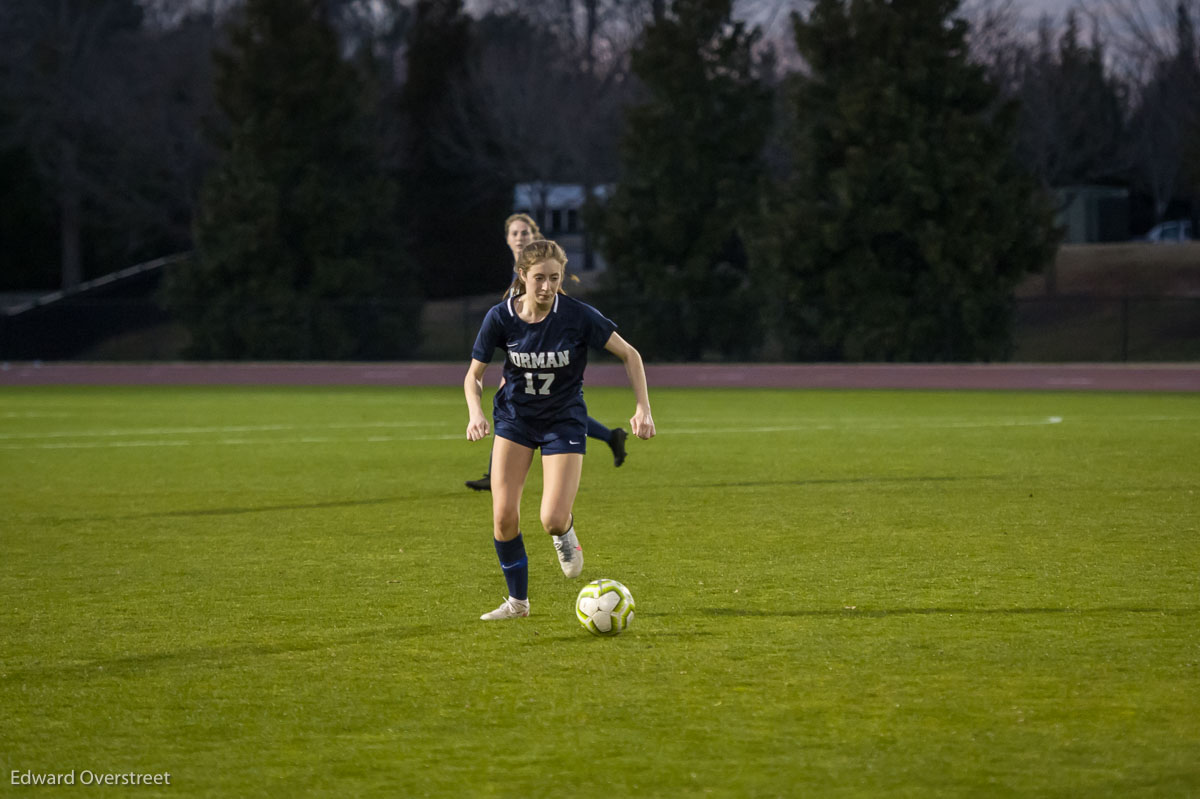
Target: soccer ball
{"x": 604, "y": 607}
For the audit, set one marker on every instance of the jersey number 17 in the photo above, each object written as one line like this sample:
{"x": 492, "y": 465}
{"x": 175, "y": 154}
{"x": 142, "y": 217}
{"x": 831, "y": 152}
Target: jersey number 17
{"x": 546, "y": 378}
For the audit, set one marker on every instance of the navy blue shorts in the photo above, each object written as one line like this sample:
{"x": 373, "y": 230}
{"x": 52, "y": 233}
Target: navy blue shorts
{"x": 565, "y": 436}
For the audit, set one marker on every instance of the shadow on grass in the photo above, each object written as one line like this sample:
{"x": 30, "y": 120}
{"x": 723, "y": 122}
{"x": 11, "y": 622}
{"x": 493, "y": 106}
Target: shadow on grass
{"x": 886, "y": 612}
{"x": 236, "y": 511}
{"x": 248, "y": 509}
{"x": 218, "y": 657}
{"x": 640, "y": 634}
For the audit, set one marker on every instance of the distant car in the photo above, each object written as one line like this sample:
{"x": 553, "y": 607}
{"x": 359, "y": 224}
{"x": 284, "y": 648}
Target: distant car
{"x": 1175, "y": 230}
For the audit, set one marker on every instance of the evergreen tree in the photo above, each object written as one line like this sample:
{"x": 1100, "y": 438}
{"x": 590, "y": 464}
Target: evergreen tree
{"x": 905, "y": 224}
{"x": 296, "y": 234}
{"x": 691, "y": 161}
{"x": 455, "y": 210}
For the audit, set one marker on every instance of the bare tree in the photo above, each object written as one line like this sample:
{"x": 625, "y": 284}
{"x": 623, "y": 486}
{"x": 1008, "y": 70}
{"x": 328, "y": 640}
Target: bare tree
{"x": 994, "y": 38}
{"x": 168, "y": 14}
{"x": 539, "y": 105}
{"x": 377, "y": 27}
{"x": 1158, "y": 47}
{"x": 170, "y": 107}
{"x": 109, "y": 115}
{"x": 1072, "y": 109}
{"x": 59, "y": 79}
{"x": 1144, "y": 32}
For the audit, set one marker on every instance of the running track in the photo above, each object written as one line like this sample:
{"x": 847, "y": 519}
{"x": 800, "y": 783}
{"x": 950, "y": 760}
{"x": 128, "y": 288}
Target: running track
{"x": 1024, "y": 377}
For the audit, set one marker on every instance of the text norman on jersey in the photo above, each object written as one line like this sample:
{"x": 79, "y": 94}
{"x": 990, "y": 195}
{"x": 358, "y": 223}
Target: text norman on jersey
{"x": 539, "y": 360}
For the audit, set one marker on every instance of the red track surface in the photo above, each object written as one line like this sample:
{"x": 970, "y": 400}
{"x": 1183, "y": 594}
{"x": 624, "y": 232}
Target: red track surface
{"x": 1055, "y": 377}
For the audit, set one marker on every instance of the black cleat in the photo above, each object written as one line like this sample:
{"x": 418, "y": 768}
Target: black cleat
{"x": 618, "y": 446}
{"x": 482, "y": 484}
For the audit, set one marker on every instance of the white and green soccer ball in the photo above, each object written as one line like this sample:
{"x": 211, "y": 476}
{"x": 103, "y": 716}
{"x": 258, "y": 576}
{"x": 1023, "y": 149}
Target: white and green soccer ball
{"x": 604, "y": 607}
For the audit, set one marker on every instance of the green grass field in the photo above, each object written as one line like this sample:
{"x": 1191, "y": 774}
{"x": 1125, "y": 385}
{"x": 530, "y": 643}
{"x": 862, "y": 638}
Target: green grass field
{"x": 275, "y": 592}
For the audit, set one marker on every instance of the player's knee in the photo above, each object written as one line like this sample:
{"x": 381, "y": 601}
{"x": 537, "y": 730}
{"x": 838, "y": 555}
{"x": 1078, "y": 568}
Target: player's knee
{"x": 506, "y": 524}
{"x": 556, "y": 523}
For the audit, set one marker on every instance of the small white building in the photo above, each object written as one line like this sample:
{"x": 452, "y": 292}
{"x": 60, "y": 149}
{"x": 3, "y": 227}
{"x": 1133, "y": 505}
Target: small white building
{"x": 558, "y": 210}
{"x": 1090, "y": 214}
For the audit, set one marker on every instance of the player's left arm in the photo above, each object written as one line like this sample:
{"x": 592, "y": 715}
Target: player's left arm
{"x": 642, "y": 422}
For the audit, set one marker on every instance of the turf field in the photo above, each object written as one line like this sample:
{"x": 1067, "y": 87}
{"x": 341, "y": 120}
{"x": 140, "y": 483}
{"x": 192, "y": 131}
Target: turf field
{"x": 275, "y": 592}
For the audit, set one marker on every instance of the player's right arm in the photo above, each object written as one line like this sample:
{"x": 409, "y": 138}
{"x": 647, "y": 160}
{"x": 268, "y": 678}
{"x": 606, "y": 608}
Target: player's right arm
{"x": 491, "y": 333}
{"x": 477, "y": 425}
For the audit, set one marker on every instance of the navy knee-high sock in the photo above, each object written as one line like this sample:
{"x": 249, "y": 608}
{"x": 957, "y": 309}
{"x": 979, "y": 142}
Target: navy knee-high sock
{"x": 515, "y": 566}
{"x": 597, "y": 430}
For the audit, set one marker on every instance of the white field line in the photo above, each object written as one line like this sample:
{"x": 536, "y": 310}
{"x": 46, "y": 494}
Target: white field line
{"x": 258, "y": 442}
{"x": 31, "y": 440}
{"x": 926, "y": 423}
{"x": 945, "y": 425}
{"x": 174, "y": 431}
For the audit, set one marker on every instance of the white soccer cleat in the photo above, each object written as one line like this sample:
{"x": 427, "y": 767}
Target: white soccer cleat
{"x": 570, "y": 554}
{"x": 511, "y": 609}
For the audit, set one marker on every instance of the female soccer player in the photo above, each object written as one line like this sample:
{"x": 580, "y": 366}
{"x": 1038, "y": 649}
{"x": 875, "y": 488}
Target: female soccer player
{"x": 545, "y": 336}
{"x": 519, "y": 230}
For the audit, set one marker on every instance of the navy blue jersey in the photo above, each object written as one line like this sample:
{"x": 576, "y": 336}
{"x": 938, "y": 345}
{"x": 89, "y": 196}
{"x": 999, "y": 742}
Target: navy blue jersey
{"x": 543, "y": 362}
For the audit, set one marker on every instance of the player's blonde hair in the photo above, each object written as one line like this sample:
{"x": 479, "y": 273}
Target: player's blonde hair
{"x": 527, "y": 219}
{"x": 535, "y": 252}
{"x": 536, "y": 235}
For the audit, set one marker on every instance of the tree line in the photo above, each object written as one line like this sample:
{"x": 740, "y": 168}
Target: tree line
{"x": 870, "y": 185}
